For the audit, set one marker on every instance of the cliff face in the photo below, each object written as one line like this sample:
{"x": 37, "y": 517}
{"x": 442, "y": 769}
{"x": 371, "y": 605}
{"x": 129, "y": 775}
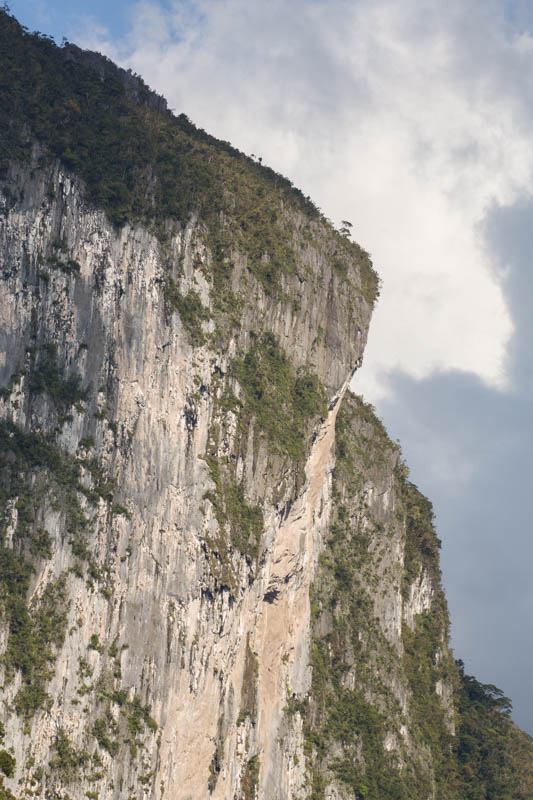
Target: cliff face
{"x": 215, "y": 577}
{"x": 190, "y": 557}
{"x": 381, "y": 717}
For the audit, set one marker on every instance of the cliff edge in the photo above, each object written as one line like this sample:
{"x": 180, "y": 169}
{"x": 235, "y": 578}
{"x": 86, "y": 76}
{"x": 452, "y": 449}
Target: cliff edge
{"x": 215, "y": 577}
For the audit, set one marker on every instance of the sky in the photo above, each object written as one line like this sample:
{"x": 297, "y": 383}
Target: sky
{"x": 413, "y": 119}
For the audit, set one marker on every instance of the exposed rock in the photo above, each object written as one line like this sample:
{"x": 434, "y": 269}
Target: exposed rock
{"x": 182, "y": 633}
{"x": 216, "y": 580}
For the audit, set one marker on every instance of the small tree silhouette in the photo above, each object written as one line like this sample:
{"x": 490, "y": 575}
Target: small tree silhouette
{"x": 346, "y": 228}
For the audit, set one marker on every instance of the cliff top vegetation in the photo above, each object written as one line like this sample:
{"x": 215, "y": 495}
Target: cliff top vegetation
{"x": 140, "y": 162}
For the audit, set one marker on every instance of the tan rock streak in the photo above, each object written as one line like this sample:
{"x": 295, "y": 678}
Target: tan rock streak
{"x": 282, "y": 637}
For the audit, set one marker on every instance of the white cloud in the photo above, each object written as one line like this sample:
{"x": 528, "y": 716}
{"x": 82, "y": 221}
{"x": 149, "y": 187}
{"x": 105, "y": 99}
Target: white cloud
{"x": 409, "y": 118}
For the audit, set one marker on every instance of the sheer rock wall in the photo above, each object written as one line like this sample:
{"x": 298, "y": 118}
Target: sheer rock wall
{"x": 149, "y": 616}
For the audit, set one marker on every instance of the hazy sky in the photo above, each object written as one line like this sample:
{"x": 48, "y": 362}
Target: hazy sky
{"x": 414, "y": 120}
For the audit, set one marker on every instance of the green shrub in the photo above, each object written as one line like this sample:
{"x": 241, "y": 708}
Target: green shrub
{"x": 245, "y": 522}
{"x": 7, "y": 763}
{"x": 94, "y": 643}
{"x": 47, "y": 376}
{"x": 421, "y": 542}
{"x": 35, "y": 635}
{"x": 282, "y": 402}
{"x": 41, "y": 544}
{"x": 105, "y": 731}
{"x": 191, "y": 310}
{"x": 250, "y": 779}
{"x": 69, "y": 759}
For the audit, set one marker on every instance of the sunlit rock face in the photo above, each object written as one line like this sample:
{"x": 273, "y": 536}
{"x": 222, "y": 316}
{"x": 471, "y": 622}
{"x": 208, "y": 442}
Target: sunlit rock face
{"x": 160, "y": 608}
{"x": 216, "y": 580}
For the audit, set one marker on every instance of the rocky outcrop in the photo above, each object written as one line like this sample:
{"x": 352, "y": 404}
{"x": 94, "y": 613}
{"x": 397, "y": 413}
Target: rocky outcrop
{"x": 373, "y": 726}
{"x": 215, "y": 577}
{"x": 161, "y": 608}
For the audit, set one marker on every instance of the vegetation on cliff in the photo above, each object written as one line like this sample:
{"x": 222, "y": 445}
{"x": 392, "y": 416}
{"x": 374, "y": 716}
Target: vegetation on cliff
{"x": 35, "y": 473}
{"x": 281, "y": 401}
{"x": 280, "y": 405}
{"x": 390, "y": 715}
{"x": 460, "y": 745}
{"x": 356, "y": 703}
{"x": 495, "y": 758}
{"x": 139, "y": 162}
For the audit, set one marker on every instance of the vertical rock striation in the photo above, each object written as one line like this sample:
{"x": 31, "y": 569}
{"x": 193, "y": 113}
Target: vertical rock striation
{"x": 216, "y": 580}
{"x": 165, "y": 606}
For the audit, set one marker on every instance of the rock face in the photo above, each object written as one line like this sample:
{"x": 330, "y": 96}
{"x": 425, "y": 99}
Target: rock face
{"x": 215, "y": 577}
{"x": 383, "y": 677}
{"x": 207, "y": 633}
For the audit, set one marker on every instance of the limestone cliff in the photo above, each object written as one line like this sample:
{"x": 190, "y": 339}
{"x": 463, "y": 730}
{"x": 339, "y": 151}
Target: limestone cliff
{"x": 213, "y": 582}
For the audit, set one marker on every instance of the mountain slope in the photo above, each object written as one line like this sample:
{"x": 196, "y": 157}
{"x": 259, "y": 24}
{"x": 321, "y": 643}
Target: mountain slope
{"x": 215, "y": 577}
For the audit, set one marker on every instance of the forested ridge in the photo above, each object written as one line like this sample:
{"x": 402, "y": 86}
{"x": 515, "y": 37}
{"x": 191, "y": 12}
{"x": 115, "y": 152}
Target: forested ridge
{"x": 139, "y": 161}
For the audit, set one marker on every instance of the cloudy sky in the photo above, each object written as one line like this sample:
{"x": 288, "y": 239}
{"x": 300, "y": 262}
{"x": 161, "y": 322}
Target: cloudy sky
{"x": 413, "y": 119}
